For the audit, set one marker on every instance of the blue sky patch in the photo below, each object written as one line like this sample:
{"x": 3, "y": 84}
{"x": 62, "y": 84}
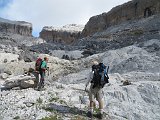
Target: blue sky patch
{"x": 4, "y": 3}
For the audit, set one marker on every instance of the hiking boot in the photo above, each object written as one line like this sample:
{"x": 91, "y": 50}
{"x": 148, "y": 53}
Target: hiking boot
{"x": 89, "y": 114}
{"x": 42, "y": 86}
{"x": 39, "y": 89}
{"x": 100, "y": 116}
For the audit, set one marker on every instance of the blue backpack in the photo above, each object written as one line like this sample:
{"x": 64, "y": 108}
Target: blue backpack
{"x": 100, "y": 77}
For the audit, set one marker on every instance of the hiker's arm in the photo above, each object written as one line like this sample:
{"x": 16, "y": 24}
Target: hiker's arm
{"x": 90, "y": 77}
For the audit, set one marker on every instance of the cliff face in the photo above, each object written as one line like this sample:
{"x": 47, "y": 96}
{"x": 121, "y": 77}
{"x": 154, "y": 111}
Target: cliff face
{"x": 17, "y": 27}
{"x": 67, "y": 34}
{"x": 134, "y": 9}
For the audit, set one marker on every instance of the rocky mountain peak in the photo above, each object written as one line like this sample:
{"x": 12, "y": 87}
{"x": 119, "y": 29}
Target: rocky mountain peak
{"x": 16, "y": 27}
{"x": 68, "y": 28}
{"x": 135, "y": 9}
{"x": 66, "y": 34}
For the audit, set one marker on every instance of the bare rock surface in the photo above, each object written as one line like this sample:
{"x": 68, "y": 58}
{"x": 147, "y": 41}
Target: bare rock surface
{"x": 131, "y": 48}
{"x": 66, "y": 98}
{"x": 131, "y": 10}
{"x": 122, "y": 35}
{"x": 67, "y": 34}
{"x": 22, "y": 81}
{"x": 16, "y": 27}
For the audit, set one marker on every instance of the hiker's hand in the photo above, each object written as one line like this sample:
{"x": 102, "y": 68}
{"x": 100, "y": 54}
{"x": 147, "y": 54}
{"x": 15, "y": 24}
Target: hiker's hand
{"x": 47, "y": 68}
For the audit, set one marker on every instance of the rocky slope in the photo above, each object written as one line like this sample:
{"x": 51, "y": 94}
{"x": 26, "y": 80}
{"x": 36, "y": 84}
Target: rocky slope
{"x": 16, "y": 37}
{"x": 65, "y": 98}
{"x": 124, "y": 34}
{"x": 132, "y": 10}
{"x": 114, "y": 37}
{"x": 16, "y": 27}
{"x": 18, "y": 44}
{"x": 67, "y": 34}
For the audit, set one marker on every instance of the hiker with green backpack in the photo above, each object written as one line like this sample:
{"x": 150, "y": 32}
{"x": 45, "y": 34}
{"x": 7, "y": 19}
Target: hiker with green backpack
{"x": 98, "y": 77}
{"x": 41, "y": 67}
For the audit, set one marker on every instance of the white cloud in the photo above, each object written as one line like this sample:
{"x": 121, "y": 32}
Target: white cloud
{"x": 56, "y": 12}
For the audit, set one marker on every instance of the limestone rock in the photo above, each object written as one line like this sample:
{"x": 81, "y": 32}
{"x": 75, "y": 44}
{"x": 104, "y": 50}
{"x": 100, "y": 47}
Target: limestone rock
{"x": 11, "y": 84}
{"x": 67, "y": 97}
{"x": 27, "y": 84}
{"x": 19, "y": 81}
{"x": 126, "y": 82}
{"x": 131, "y": 10}
{"x": 4, "y": 75}
{"x": 67, "y": 34}
{"x": 7, "y": 71}
{"x": 8, "y": 57}
{"x": 16, "y": 27}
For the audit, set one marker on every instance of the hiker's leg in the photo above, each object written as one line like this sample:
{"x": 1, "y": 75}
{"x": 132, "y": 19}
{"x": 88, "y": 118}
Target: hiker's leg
{"x": 42, "y": 79}
{"x": 100, "y": 114}
{"x": 99, "y": 97}
{"x": 100, "y": 106}
{"x": 91, "y": 105}
{"x": 100, "y": 101}
{"x": 91, "y": 99}
{"x": 94, "y": 104}
{"x": 90, "y": 111}
{"x": 36, "y": 74}
{"x": 37, "y": 81}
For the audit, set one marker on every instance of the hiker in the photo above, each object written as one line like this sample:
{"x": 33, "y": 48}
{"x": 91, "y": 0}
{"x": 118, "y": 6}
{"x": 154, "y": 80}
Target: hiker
{"x": 37, "y": 71}
{"x": 95, "y": 90}
{"x": 42, "y": 71}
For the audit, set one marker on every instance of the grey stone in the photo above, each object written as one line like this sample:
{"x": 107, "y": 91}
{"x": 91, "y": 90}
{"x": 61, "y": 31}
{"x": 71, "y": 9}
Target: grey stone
{"x": 16, "y": 27}
{"x": 5, "y": 60}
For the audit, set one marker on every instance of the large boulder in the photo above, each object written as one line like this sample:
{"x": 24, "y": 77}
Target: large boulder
{"x": 22, "y": 81}
{"x": 27, "y": 56}
{"x": 27, "y": 83}
{"x": 4, "y": 75}
{"x": 8, "y": 57}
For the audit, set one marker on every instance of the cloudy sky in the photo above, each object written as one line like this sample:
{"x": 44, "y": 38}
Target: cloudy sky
{"x": 56, "y": 13}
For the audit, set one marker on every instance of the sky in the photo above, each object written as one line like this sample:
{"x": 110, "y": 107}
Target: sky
{"x": 56, "y": 13}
